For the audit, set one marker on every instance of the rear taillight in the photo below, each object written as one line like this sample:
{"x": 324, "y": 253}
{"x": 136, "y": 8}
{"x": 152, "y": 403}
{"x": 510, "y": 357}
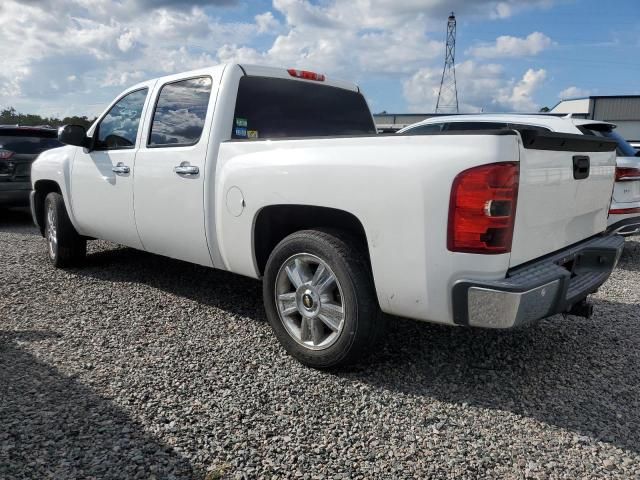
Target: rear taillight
{"x": 5, "y": 154}
{"x": 627, "y": 174}
{"x": 624, "y": 211}
{"x": 482, "y": 209}
{"x": 306, "y": 75}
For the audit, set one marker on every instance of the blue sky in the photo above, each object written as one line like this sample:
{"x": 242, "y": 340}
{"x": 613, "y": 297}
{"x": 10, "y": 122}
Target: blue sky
{"x": 73, "y": 56}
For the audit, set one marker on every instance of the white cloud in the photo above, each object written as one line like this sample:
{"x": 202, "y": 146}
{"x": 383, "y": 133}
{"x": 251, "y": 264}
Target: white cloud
{"x": 126, "y": 40}
{"x": 507, "y": 46}
{"x": 481, "y": 87}
{"x": 87, "y": 50}
{"x": 574, "y": 92}
{"x": 267, "y": 23}
{"x": 519, "y": 97}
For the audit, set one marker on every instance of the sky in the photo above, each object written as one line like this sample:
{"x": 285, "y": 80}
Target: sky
{"x": 68, "y": 57}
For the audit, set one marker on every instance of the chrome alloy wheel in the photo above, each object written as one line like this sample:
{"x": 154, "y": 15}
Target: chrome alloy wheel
{"x": 309, "y": 301}
{"x": 52, "y": 233}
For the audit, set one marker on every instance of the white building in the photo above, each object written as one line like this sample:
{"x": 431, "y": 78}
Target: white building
{"x": 623, "y": 110}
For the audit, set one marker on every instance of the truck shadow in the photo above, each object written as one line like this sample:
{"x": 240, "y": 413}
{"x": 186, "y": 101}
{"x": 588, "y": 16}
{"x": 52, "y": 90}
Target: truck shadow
{"x": 54, "y": 427}
{"x": 576, "y": 374}
{"x": 227, "y": 291}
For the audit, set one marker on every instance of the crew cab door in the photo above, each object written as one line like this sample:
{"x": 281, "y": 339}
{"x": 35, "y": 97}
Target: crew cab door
{"x": 170, "y": 170}
{"x": 102, "y": 177}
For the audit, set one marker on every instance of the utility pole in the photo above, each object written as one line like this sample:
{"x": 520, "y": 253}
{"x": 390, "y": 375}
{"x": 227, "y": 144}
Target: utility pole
{"x": 448, "y": 94}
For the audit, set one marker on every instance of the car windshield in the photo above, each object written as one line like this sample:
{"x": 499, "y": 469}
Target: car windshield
{"x": 624, "y": 148}
{"x": 28, "y": 142}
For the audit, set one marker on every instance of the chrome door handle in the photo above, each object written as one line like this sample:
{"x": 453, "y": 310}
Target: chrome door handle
{"x": 185, "y": 169}
{"x": 120, "y": 168}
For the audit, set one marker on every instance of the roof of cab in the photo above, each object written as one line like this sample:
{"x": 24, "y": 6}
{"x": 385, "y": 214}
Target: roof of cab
{"x": 251, "y": 70}
{"x": 279, "y": 72}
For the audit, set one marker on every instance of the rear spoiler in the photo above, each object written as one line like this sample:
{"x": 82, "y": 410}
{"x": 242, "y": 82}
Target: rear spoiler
{"x": 566, "y": 142}
{"x": 540, "y": 140}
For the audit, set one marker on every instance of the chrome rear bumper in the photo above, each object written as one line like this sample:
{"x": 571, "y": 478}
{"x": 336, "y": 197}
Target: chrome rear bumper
{"x": 538, "y": 289}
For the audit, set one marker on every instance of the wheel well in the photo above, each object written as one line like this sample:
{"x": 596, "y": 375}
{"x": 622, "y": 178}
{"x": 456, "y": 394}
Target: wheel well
{"x": 275, "y": 222}
{"x": 42, "y": 188}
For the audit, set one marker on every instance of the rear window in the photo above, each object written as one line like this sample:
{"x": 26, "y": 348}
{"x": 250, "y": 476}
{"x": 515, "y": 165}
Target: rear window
{"x": 278, "y": 108}
{"x": 28, "y": 142}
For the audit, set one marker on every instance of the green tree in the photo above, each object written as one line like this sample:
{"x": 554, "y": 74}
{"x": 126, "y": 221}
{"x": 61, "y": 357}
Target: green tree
{"x": 9, "y": 116}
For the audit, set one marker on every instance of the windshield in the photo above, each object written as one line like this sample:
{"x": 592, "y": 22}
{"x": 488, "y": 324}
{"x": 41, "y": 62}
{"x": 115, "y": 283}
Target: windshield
{"x": 278, "y": 108}
{"x": 29, "y": 143}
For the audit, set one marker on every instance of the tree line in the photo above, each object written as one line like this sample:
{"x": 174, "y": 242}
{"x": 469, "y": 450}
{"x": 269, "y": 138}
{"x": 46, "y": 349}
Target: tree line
{"x": 9, "y": 116}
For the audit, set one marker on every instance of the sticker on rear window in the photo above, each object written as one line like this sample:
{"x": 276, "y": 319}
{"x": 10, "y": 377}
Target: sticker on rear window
{"x": 252, "y": 133}
{"x": 241, "y": 132}
{"x": 241, "y": 122}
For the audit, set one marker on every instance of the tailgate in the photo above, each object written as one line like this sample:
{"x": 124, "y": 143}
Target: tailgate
{"x": 564, "y": 193}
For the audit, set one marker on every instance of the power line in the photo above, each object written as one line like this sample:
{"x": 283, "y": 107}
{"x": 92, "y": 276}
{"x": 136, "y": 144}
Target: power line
{"x": 448, "y": 94}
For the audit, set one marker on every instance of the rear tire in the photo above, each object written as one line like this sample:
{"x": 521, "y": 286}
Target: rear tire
{"x": 320, "y": 299}
{"x": 65, "y": 247}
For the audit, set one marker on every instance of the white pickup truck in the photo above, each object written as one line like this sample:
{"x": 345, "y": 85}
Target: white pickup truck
{"x": 278, "y": 174}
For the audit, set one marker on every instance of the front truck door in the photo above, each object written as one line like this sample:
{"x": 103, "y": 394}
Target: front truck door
{"x": 170, "y": 171}
{"x": 102, "y": 178}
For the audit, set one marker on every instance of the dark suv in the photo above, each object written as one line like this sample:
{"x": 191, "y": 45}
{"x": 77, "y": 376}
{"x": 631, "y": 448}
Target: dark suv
{"x": 19, "y": 147}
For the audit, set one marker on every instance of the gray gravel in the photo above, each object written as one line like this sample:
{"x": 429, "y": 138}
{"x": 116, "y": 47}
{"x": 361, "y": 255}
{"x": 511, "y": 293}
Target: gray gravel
{"x": 138, "y": 366}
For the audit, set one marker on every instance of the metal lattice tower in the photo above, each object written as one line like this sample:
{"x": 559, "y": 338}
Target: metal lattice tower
{"x": 448, "y": 94}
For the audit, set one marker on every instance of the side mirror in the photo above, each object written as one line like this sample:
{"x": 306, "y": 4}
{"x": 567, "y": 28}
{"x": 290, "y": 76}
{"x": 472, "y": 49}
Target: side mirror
{"x": 74, "y": 135}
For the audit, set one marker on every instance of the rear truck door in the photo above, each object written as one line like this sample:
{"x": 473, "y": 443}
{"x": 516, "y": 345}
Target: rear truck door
{"x": 565, "y": 188}
{"x": 170, "y": 169}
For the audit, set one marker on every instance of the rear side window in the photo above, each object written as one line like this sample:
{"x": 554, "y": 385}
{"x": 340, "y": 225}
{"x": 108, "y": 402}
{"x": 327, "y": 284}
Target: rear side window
{"x": 178, "y": 119}
{"x": 28, "y": 142}
{"x": 279, "y": 108}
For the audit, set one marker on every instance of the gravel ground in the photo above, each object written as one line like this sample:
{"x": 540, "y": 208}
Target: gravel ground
{"x": 137, "y": 366}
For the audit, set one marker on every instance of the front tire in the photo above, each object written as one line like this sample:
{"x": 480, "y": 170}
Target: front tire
{"x": 65, "y": 247}
{"x": 320, "y": 299}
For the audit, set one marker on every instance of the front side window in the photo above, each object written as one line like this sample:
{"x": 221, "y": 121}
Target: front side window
{"x": 180, "y": 112}
{"x": 119, "y": 127}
